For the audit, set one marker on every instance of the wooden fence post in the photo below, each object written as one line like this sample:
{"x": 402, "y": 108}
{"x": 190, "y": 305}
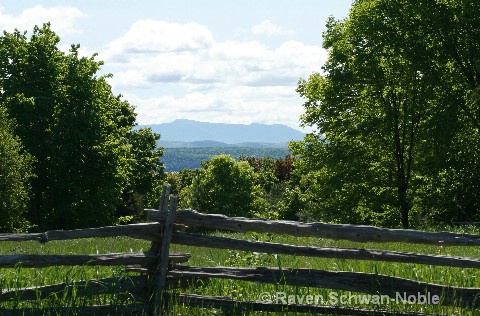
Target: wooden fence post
{"x": 158, "y": 304}
{"x": 163, "y": 208}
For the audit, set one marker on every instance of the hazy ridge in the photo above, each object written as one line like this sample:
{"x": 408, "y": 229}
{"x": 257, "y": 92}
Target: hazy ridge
{"x": 227, "y": 135}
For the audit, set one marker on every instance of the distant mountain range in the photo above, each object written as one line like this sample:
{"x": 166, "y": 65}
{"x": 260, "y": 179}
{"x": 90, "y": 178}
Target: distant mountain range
{"x": 188, "y": 133}
{"x": 213, "y": 143}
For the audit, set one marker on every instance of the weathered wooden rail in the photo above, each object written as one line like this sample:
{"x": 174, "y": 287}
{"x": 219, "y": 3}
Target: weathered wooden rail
{"x": 356, "y": 233}
{"x": 321, "y": 252}
{"x": 147, "y": 231}
{"x": 161, "y": 274}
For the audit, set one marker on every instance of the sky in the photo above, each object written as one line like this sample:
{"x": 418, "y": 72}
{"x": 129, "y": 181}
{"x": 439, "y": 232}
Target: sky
{"x": 221, "y": 61}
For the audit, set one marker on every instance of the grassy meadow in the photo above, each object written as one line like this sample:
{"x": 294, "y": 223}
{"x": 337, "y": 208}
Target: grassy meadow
{"x": 23, "y": 277}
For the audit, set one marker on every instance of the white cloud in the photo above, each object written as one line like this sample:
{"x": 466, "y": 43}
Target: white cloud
{"x": 173, "y": 71}
{"x": 149, "y": 36}
{"x": 62, "y": 19}
{"x": 230, "y": 50}
{"x": 270, "y": 29}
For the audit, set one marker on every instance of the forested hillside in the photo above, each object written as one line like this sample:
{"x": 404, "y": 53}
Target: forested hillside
{"x": 176, "y": 159}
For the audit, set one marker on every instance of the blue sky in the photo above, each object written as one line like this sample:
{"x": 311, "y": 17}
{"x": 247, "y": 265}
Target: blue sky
{"x": 214, "y": 61}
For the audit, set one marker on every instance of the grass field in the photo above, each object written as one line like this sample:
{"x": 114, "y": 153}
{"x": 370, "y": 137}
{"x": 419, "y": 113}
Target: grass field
{"x": 22, "y": 277}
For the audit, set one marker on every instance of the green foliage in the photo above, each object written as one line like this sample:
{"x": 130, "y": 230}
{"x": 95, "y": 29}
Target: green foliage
{"x": 186, "y": 177}
{"x": 77, "y": 130}
{"x": 252, "y": 186}
{"x": 272, "y": 178}
{"x": 264, "y": 170}
{"x": 124, "y": 220}
{"x": 452, "y": 193}
{"x": 146, "y": 173}
{"x": 15, "y": 175}
{"x": 291, "y": 205}
{"x": 224, "y": 186}
{"x": 392, "y": 116}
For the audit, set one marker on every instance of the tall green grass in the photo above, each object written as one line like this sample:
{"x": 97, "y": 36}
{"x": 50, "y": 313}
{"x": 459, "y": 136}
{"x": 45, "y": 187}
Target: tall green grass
{"x": 22, "y": 277}
{"x": 19, "y": 277}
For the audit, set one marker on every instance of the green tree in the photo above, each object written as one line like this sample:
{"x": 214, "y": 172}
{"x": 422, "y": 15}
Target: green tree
{"x": 371, "y": 107}
{"x": 454, "y": 32}
{"x": 264, "y": 171}
{"x": 272, "y": 178}
{"x": 75, "y": 127}
{"x": 181, "y": 182}
{"x": 224, "y": 186}
{"x": 15, "y": 176}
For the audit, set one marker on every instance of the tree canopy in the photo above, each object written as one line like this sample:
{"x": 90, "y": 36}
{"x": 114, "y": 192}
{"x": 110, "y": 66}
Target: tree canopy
{"x": 75, "y": 127}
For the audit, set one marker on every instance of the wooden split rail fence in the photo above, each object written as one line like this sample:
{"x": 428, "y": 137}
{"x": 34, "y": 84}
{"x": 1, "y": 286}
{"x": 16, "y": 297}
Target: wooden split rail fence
{"x": 160, "y": 270}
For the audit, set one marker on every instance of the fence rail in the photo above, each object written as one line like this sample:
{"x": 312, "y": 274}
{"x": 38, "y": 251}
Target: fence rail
{"x": 111, "y": 259}
{"x": 322, "y": 252}
{"x": 135, "y": 285}
{"x": 97, "y": 310}
{"x": 368, "y": 283}
{"x": 225, "y": 303}
{"x": 356, "y": 233}
{"x": 147, "y": 231}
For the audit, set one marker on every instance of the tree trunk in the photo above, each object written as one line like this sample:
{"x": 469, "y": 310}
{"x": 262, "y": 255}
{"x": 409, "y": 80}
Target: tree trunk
{"x": 404, "y": 210}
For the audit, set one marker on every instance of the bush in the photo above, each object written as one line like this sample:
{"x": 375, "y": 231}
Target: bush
{"x": 222, "y": 185}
